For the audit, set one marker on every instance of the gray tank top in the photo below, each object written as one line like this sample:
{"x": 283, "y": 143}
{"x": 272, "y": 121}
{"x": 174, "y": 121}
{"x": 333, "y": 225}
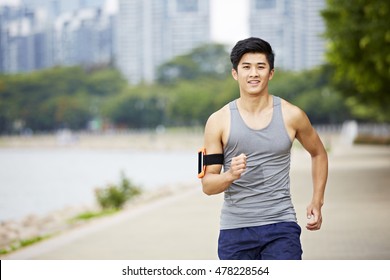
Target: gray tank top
{"x": 262, "y": 195}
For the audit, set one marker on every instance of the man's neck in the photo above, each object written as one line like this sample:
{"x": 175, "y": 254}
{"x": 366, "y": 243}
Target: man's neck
{"x": 254, "y": 103}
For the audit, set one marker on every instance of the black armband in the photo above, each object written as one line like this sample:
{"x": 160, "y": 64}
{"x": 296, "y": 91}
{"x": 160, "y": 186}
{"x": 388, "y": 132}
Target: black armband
{"x": 204, "y": 160}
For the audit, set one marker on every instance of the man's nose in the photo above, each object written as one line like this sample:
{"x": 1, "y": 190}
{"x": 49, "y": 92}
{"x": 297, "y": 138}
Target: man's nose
{"x": 254, "y": 72}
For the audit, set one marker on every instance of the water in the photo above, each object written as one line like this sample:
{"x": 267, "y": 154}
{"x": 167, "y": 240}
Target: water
{"x": 37, "y": 181}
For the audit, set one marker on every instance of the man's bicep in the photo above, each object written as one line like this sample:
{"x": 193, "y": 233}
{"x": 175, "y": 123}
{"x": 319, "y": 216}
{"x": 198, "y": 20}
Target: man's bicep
{"x": 213, "y": 136}
{"x": 307, "y": 136}
{"x": 213, "y": 143}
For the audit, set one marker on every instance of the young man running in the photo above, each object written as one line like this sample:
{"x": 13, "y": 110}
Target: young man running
{"x": 255, "y": 134}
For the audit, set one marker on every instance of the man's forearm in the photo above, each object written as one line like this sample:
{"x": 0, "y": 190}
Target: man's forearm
{"x": 216, "y": 183}
{"x": 320, "y": 176}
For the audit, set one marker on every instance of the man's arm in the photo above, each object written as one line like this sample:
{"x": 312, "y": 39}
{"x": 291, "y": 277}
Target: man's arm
{"x": 308, "y": 137}
{"x": 215, "y": 182}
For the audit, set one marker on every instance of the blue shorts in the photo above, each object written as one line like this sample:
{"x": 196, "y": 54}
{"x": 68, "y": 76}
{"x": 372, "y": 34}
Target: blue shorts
{"x": 279, "y": 241}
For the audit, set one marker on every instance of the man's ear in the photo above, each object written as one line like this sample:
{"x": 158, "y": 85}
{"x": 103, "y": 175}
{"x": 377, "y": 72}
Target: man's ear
{"x": 271, "y": 74}
{"x": 234, "y": 74}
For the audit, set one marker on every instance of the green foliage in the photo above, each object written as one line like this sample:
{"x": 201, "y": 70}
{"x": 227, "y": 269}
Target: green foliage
{"x": 105, "y": 82}
{"x": 187, "y": 101}
{"x": 72, "y": 97}
{"x": 85, "y": 216}
{"x": 359, "y": 37}
{"x": 55, "y": 98}
{"x": 323, "y": 105}
{"x": 192, "y": 102}
{"x": 31, "y": 241}
{"x": 18, "y": 244}
{"x": 289, "y": 84}
{"x": 115, "y": 196}
{"x": 136, "y": 107}
{"x": 310, "y": 90}
{"x": 210, "y": 60}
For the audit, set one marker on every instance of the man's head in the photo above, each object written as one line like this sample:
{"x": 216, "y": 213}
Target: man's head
{"x": 251, "y": 45}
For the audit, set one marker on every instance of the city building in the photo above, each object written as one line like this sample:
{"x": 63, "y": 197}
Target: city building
{"x": 23, "y": 40}
{"x": 150, "y": 32}
{"x": 35, "y": 36}
{"x": 58, "y": 7}
{"x": 83, "y": 37}
{"x": 294, "y": 29}
{"x": 143, "y": 34}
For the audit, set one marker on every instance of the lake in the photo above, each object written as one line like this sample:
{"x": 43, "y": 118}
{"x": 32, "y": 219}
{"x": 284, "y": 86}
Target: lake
{"x": 40, "y": 180}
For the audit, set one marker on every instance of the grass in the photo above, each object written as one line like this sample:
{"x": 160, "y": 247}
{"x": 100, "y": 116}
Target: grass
{"x": 86, "y": 216}
{"x": 22, "y": 243}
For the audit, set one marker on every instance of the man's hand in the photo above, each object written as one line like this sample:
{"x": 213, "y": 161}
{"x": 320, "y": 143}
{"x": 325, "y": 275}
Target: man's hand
{"x": 237, "y": 166}
{"x": 314, "y": 216}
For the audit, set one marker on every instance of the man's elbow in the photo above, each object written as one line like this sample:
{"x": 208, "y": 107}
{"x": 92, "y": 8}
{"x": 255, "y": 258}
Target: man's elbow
{"x": 211, "y": 186}
{"x": 321, "y": 157}
{"x": 320, "y": 153}
{"x": 324, "y": 154}
{"x": 209, "y": 190}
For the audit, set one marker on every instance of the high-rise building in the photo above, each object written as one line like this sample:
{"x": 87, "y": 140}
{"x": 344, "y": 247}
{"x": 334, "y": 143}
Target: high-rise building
{"x": 57, "y": 7}
{"x": 294, "y": 29}
{"x": 150, "y": 32}
{"x": 23, "y": 40}
{"x": 315, "y": 28}
{"x": 83, "y": 38}
{"x": 43, "y": 33}
{"x": 33, "y": 36}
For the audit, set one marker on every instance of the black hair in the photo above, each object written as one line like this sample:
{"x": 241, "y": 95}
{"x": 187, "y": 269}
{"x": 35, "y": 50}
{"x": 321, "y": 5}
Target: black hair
{"x": 252, "y": 45}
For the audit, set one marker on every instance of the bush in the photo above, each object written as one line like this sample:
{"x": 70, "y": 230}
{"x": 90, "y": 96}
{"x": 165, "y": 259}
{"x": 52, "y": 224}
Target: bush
{"x": 115, "y": 196}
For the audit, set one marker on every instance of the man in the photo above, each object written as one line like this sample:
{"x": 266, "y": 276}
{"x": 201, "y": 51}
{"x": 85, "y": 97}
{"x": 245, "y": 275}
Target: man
{"x": 255, "y": 134}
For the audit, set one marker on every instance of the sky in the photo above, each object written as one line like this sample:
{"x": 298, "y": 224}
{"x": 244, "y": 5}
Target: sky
{"x": 228, "y": 18}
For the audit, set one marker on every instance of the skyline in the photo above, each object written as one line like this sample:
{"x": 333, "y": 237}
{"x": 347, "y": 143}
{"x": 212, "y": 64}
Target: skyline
{"x": 228, "y": 20}
{"x": 183, "y": 27}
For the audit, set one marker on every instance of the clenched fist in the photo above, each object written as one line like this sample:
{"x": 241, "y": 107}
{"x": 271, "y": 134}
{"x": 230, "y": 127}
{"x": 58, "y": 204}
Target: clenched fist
{"x": 238, "y": 166}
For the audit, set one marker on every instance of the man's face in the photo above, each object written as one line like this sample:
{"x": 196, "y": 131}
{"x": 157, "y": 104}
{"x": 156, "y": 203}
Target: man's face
{"x": 253, "y": 73}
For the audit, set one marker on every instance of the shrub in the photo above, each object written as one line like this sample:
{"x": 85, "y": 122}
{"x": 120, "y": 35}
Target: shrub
{"x": 115, "y": 196}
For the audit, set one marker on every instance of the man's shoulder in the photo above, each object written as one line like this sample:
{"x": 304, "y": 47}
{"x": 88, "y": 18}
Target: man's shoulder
{"x": 294, "y": 116}
{"x": 220, "y": 114}
{"x": 217, "y": 120}
{"x": 290, "y": 110}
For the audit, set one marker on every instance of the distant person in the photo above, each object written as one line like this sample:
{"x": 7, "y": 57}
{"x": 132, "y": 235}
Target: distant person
{"x": 255, "y": 133}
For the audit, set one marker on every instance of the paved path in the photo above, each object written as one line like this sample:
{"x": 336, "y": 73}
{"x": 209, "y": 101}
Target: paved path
{"x": 185, "y": 226}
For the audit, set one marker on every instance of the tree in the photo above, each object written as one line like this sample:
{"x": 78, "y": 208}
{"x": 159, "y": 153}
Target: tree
{"x": 210, "y": 60}
{"x": 136, "y": 107}
{"x": 310, "y": 90}
{"x": 359, "y": 43}
{"x": 54, "y": 98}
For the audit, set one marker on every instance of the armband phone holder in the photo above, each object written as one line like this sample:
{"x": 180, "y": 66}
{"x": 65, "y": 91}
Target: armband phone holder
{"x": 204, "y": 160}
